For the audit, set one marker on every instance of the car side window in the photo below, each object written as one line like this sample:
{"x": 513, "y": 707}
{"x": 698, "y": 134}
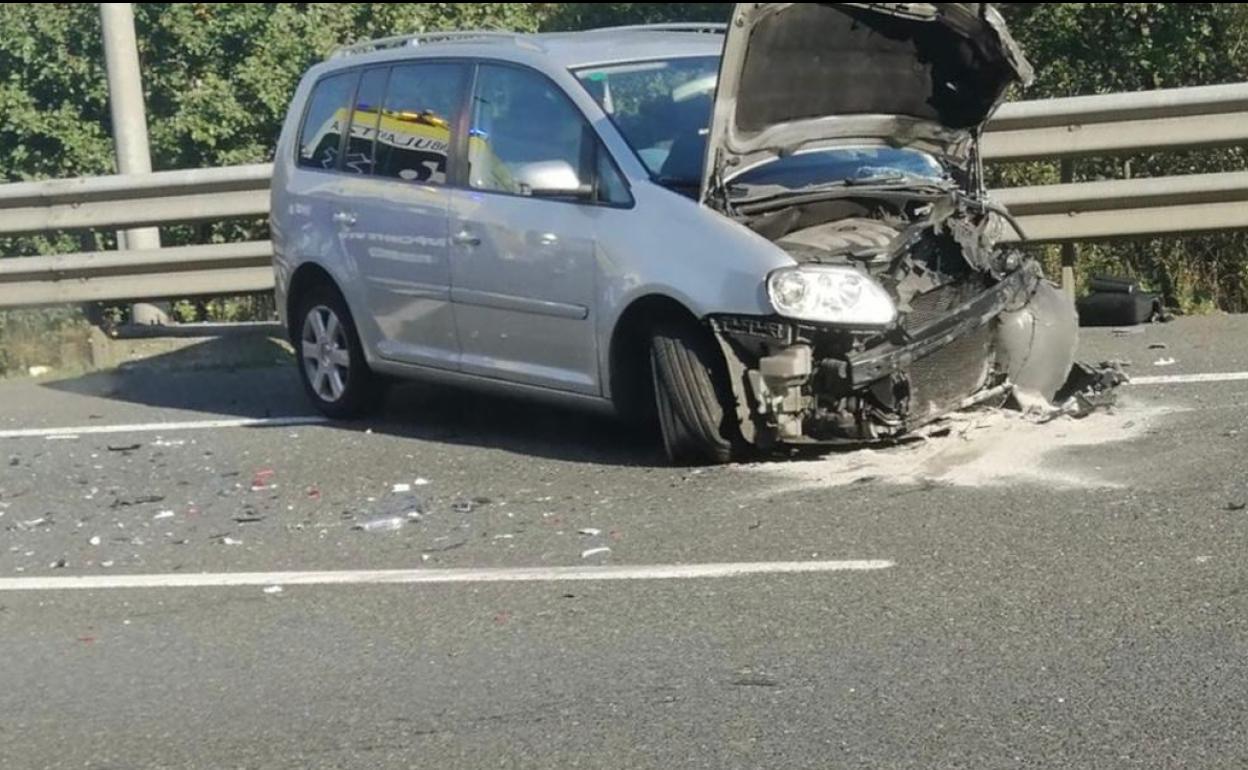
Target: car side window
{"x": 320, "y": 136}
{"x": 612, "y": 188}
{"x": 418, "y": 122}
{"x": 525, "y": 134}
{"x": 365, "y": 119}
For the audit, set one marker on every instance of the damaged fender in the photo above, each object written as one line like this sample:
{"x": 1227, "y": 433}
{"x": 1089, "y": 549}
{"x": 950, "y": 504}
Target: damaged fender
{"x": 1036, "y": 343}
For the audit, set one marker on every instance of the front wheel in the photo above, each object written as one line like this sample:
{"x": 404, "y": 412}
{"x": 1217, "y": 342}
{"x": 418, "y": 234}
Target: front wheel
{"x": 331, "y": 360}
{"x": 694, "y": 399}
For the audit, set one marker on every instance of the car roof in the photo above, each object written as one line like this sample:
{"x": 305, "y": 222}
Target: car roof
{"x": 567, "y": 50}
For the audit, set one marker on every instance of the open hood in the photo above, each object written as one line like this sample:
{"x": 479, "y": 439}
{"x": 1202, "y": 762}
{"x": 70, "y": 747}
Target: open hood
{"x": 804, "y": 76}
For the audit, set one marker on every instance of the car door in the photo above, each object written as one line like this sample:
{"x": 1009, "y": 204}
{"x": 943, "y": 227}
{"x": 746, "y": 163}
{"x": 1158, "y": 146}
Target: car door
{"x": 394, "y": 216}
{"x": 523, "y": 247}
{"x": 314, "y": 188}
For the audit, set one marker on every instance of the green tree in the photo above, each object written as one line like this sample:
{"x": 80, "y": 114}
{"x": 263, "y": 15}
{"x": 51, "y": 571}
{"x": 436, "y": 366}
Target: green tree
{"x": 1098, "y": 48}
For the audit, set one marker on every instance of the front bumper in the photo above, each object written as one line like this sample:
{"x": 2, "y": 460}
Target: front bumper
{"x": 800, "y": 384}
{"x": 888, "y": 359}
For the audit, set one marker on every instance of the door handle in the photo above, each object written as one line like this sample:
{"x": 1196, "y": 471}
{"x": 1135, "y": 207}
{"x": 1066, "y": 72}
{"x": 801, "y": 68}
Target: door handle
{"x": 466, "y": 238}
{"x": 345, "y": 218}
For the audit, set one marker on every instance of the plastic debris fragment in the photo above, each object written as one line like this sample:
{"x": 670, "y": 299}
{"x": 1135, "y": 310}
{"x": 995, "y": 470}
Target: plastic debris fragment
{"x": 384, "y": 524}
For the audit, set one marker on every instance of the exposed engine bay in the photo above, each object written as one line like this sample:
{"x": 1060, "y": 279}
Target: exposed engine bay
{"x": 848, "y": 135}
{"x": 974, "y": 322}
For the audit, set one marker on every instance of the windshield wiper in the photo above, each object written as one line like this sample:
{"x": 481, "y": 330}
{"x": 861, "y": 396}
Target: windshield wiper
{"x": 746, "y": 192}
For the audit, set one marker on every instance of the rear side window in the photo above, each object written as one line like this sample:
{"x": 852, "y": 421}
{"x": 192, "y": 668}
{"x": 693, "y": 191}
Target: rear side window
{"x": 418, "y": 122}
{"x": 321, "y": 133}
{"x": 365, "y": 119}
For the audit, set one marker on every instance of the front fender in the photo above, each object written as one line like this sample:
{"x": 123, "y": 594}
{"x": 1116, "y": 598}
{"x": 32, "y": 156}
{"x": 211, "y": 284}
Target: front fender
{"x": 688, "y": 252}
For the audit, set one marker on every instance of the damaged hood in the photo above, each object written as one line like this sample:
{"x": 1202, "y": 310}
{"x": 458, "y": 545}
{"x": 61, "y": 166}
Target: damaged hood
{"x": 806, "y": 76}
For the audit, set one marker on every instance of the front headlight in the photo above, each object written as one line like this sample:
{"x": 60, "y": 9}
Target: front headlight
{"x": 830, "y": 294}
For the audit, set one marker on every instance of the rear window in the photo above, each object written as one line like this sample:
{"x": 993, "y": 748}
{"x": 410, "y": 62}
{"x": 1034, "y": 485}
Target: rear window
{"x": 328, "y": 109}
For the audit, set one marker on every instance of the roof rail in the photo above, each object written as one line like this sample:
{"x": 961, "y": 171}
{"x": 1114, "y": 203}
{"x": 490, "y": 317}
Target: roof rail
{"x": 703, "y": 27}
{"x": 418, "y": 39}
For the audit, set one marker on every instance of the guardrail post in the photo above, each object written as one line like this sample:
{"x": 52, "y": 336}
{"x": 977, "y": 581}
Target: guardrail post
{"x": 129, "y": 115}
{"x": 1070, "y": 251}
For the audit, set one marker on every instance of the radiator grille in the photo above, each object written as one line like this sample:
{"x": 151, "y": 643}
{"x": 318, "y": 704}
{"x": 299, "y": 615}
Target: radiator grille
{"x": 937, "y": 303}
{"x": 943, "y": 380}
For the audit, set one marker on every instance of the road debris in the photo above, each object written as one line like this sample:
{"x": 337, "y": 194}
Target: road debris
{"x": 994, "y": 448}
{"x": 137, "y": 501}
{"x": 95, "y": 541}
{"x": 750, "y": 678}
{"x": 262, "y": 480}
{"x": 590, "y": 532}
{"x": 592, "y": 552}
{"x": 383, "y": 524}
{"x": 468, "y": 506}
{"x": 127, "y": 449}
{"x": 273, "y": 590}
{"x": 1165, "y": 362}
{"x": 163, "y": 515}
{"x": 400, "y": 489}
{"x": 1089, "y": 389}
{"x": 1235, "y": 507}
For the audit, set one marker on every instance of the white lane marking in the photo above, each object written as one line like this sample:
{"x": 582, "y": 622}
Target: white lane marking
{"x": 1190, "y": 379}
{"x": 437, "y": 576}
{"x": 162, "y": 427}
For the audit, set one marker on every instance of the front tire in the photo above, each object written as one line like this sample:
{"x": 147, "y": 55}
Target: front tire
{"x": 332, "y": 366}
{"x": 693, "y": 395}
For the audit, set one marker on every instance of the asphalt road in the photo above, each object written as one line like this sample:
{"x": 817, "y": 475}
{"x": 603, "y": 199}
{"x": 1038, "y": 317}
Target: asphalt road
{"x": 1060, "y": 595}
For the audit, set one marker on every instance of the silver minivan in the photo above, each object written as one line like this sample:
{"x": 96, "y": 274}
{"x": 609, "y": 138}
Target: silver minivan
{"x": 766, "y": 234}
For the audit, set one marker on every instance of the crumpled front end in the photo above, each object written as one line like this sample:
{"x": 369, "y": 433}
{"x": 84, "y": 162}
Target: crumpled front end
{"x": 976, "y": 323}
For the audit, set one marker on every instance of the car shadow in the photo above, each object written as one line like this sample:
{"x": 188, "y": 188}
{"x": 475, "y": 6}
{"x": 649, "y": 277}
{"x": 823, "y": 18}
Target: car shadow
{"x": 256, "y": 378}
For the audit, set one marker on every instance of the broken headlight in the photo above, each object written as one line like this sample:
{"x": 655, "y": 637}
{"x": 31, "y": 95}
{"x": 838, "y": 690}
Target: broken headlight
{"x": 830, "y": 294}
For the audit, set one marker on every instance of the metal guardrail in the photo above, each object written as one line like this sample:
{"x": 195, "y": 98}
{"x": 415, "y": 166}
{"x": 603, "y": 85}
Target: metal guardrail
{"x": 1039, "y": 130}
{"x": 1168, "y": 119}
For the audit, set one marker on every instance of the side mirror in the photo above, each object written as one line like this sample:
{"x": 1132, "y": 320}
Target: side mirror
{"x": 552, "y": 179}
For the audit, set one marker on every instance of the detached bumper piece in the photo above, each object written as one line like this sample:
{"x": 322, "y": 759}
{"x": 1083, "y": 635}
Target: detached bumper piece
{"x": 810, "y": 385}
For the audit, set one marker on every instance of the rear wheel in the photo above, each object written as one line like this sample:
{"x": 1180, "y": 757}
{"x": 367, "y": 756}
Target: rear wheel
{"x": 331, "y": 360}
{"x": 696, "y": 413}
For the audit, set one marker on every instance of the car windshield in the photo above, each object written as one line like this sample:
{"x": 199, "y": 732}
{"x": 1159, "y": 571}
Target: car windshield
{"x": 663, "y": 109}
{"x": 854, "y": 165}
